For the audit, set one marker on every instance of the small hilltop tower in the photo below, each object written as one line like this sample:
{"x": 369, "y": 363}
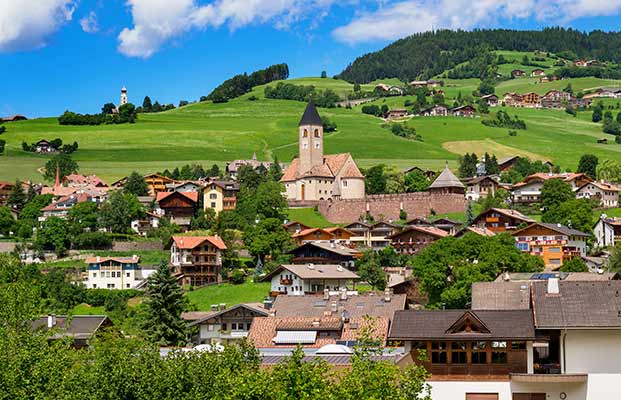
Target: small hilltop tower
{"x": 123, "y": 96}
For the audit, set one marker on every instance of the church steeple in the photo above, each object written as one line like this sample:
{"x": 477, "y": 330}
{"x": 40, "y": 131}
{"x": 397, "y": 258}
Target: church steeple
{"x": 311, "y": 138}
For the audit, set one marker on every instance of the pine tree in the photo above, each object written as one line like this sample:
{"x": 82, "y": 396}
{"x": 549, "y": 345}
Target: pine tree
{"x": 17, "y": 197}
{"x": 214, "y": 171}
{"x": 146, "y": 104}
{"x": 469, "y": 214}
{"x": 165, "y": 301}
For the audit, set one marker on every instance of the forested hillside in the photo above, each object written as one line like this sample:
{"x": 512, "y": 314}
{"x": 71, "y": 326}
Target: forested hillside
{"x": 428, "y": 54}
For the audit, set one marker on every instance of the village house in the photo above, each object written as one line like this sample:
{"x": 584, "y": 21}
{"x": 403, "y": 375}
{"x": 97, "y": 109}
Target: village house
{"x": 295, "y": 227}
{"x": 577, "y": 337}
{"x": 438, "y": 110}
{"x": 606, "y": 193}
{"x": 77, "y": 180}
{"x": 232, "y": 168}
{"x": 414, "y": 238}
{"x": 611, "y": 92}
{"x": 330, "y": 252}
{"x": 531, "y": 99}
{"x": 512, "y": 99}
{"x": 178, "y": 207}
{"x": 155, "y": 183}
{"x": 553, "y": 243}
{"x": 5, "y": 191}
{"x": 500, "y": 220}
{"x": 322, "y": 234}
{"x": 490, "y": 99}
{"x": 396, "y": 113}
{"x": 463, "y": 111}
{"x": 14, "y": 118}
{"x": 313, "y": 176}
{"x": 146, "y": 224}
{"x": 220, "y": 195}
{"x": 607, "y": 231}
{"x": 556, "y": 99}
{"x": 518, "y": 73}
{"x": 446, "y": 224}
{"x": 372, "y": 236}
{"x": 197, "y": 260}
{"x": 447, "y": 183}
{"x": 429, "y": 174}
{"x": 226, "y": 326}
{"x": 529, "y": 190}
{"x": 505, "y": 164}
{"x": 480, "y": 187}
{"x": 115, "y": 273}
{"x": 185, "y": 186}
{"x": 537, "y": 72}
{"x": 80, "y": 329}
{"x": 60, "y": 208}
{"x": 43, "y": 146}
{"x": 299, "y": 280}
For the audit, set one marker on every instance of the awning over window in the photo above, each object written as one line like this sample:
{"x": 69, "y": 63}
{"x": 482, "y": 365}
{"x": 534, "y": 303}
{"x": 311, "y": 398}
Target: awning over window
{"x": 295, "y": 337}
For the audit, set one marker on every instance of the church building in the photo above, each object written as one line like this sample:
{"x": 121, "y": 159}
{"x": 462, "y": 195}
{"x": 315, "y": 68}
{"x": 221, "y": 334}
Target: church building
{"x": 315, "y": 176}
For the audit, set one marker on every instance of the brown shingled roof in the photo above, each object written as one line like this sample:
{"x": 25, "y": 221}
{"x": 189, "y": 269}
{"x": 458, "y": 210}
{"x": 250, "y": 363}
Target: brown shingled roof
{"x": 500, "y": 296}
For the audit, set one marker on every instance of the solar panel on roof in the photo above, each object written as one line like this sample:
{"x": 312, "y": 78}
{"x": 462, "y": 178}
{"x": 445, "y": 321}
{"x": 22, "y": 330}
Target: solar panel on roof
{"x": 295, "y": 337}
{"x": 320, "y": 303}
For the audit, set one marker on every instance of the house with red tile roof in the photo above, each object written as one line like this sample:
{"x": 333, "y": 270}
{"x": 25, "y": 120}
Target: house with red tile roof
{"x": 61, "y": 208}
{"x": 413, "y": 238}
{"x": 314, "y": 176}
{"x": 196, "y": 260}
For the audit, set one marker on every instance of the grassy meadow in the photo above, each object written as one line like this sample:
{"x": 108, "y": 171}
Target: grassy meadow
{"x": 209, "y": 133}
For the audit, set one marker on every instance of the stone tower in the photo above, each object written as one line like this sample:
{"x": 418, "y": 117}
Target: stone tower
{"x": 310, "y": 139}
{"x": 123, "y": 96}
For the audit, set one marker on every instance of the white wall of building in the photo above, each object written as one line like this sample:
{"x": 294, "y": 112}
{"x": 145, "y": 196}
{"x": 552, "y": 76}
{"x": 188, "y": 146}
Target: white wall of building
{"x": 457, "y": 390}
{"x": 593, "y": 352}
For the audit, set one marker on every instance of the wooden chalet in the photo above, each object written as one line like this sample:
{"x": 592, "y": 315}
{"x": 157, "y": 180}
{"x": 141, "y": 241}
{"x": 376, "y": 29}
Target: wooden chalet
{"x": 295, "y": 227}
{"x": 179, "y": 207}
{"x": 501, "y": 220}
{"x": 439, "y": 110}
{"x": 412, "y": 239}
{"x": 319, "y": 234}
{"x": 460, "y": 343}
{"x": 463, "y": 111}
{"x": 516, "y": 73}
{"x": 155, "y": 182}
{"x": 553, "y": 243}
{"x": 325, "y": 253}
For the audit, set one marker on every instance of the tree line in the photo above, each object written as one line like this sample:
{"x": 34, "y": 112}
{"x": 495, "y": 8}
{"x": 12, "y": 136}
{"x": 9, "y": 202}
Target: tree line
{"x": 287, "y": 91}
{"x": 126, "y": 114}
{"x": 243, "y": 83}
{"x": 427, "y": 54}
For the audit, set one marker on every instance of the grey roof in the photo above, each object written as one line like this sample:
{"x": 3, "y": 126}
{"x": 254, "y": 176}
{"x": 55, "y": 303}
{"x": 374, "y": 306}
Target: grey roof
{"x": 578, "y": 305}
{"x": 436, "y": 325}
{"x": 500, "y": 296}
{"x": 310, "y": 116}
{"x": 357, "y": 306}
{"x": 311, "y": 271}
{"x": 446, "y": 179}
{"x": 255, "y": 307}
{"x": 78, "y": 326}
{"x": 560, "y": 229}
{"x": 335, "y": 248}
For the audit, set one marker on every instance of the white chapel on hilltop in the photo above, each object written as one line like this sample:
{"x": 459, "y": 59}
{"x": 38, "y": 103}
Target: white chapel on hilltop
{"x": 314, "y": 176}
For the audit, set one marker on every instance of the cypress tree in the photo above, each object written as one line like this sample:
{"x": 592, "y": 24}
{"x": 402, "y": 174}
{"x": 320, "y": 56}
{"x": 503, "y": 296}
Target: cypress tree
{"x": 17, "y": 197}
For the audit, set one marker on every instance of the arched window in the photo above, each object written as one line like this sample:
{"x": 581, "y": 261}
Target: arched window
{"x": 305, "y": 134}
{"x": 316, "y": 133}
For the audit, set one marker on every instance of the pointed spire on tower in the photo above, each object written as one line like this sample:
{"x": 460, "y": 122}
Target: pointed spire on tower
{"x": 310, "y": 116}
{"x": 57, "y": 181}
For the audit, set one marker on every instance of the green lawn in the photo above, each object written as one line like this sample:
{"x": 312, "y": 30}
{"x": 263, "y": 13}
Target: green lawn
{"x": 85, "y": 309}
{"x": 524, "y": 85}
{"x": 147, "y": 258}
{"x": 229, "y": 294}
{"x": 308, "y": 216}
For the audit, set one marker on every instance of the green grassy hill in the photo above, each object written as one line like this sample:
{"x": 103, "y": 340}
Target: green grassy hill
{"x": 209, "y": 133}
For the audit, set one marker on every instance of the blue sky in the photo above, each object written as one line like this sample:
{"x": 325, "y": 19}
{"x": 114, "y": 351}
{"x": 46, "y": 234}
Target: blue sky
{"x": 76, "y": 54}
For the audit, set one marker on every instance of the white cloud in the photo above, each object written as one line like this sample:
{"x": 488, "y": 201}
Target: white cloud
{"x": 89, "y": 23}
{"x": 158, "y": 21}
{"x": 403, "y": 18}
{"x": 27, "y": 24}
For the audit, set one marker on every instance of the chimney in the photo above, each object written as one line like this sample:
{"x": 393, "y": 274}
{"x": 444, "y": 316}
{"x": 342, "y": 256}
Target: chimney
{"x": 326, "y": 294}
{"x": 387, "y": 295}
{"x": 222, "y": 306}
{"x": 506, "y": 276}
{"x": 332, "y": 243}
{"x": 267, "y": 304}
{"x": 214, "y": 307}
{"x": 344, "y": 294}
{"x": 51, "y": 321}
{"x": 98, "y": 258}
{"x": 316, "y": 322}
{"x": 333, "y": 306}
{"x": 553, "y": 286}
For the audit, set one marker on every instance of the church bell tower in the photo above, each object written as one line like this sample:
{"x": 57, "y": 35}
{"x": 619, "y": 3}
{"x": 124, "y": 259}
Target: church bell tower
{"x": 310, "y": 139}
{"x": 123, "y": 96}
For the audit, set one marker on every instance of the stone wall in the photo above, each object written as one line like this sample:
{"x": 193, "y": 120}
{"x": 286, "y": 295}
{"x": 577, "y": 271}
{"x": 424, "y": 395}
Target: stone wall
{"x": 136, "y": 246}
{"x": 388, "y": 206}
{"x": 7, "y": 247}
